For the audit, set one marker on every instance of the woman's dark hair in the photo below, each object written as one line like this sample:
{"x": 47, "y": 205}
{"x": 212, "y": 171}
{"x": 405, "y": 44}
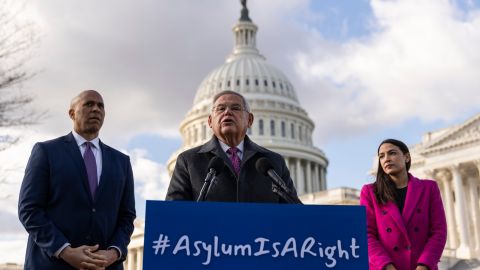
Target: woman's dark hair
{"x": 384, "y": 186}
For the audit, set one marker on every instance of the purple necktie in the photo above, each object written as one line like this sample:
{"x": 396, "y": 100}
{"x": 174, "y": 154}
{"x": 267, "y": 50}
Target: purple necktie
{"x": 234, "y": 159}
{"x": 91, "y": 166}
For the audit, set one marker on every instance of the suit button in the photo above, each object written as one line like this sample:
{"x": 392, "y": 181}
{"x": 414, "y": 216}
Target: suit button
{"x": 384, "y": 212}
{"x": 407, "y": 247}
{"x": 94, "y": 210}
{"x": 419, "y": 210}
{"x": 415, "y": 229}
{"x": 395, "y": 248}
{"x": 389, "y": 229}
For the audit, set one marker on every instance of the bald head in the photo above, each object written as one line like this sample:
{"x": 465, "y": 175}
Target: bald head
{"x": 87, "y": 113}
{"x": 75, "y": 100}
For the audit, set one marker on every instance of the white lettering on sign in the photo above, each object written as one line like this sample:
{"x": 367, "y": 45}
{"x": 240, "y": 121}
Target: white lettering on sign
{"x": 261, "y": 246}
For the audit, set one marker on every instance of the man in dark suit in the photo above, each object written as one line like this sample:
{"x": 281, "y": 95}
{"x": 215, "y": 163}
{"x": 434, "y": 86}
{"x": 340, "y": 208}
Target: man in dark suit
{"x": 239, "y": 181}
{"x": 77, "y": 199}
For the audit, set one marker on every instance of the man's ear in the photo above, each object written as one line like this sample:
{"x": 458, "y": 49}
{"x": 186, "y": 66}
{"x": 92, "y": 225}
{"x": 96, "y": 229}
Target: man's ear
{"x": 250, "y": 119}
{"x": 71, "y": 113}
{"x": 210, "y": 121}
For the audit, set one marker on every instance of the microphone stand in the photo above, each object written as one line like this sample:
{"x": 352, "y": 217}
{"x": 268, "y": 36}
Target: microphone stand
{"x": 279, "y": 187}
{"x": 212, "y": 184}
{"x": 282, "y": 194}
{"x": 206, "y": 185}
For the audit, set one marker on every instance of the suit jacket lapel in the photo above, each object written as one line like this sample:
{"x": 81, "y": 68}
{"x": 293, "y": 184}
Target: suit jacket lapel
{"x": 250, "y": 149}
{"x": 74, "y": 152}
{"x": 106, "y": 162}
{"x": 213, "y": 146}
{"x": 414, "y": 192}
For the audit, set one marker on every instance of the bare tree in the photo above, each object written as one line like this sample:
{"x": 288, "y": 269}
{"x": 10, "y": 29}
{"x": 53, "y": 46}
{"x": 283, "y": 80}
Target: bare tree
{"x": 17, "y": 40}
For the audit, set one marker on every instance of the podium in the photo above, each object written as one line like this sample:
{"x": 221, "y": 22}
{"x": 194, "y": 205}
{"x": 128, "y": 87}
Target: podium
{"x": 206, "y": 235}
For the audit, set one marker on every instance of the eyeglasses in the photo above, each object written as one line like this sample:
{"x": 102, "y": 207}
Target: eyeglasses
{"x": 235, "y": 108}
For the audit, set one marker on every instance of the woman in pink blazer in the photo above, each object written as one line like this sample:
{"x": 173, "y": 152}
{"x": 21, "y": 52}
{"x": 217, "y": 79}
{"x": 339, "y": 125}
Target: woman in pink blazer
{"x": 406, "y": 223}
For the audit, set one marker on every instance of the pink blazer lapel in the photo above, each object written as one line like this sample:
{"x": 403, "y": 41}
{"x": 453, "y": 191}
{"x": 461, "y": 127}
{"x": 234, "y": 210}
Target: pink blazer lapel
{"x": 414, "y": 192}
{"x": 394, "y": 213}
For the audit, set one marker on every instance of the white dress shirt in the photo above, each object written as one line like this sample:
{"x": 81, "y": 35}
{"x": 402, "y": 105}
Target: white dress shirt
{"x": 225, "y": 148}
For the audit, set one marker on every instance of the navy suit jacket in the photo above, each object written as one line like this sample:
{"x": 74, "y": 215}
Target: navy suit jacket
{"x": 56, "y": 206}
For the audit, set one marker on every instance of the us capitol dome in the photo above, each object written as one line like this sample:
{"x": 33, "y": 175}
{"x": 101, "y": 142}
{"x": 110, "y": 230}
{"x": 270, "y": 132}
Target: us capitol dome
{"x": 280, "y": 123}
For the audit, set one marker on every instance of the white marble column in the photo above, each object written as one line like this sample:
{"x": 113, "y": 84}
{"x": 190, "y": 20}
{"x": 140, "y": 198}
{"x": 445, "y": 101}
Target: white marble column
{"x": 476, "y": 207}
{"x": 463, "y": 250}
{"x": 451, "y": 221}
{"x": 286, "y": 162}
{"x": 441, "y": 186}
{"x": 139, "y": 258}
{"x": 324, "y": 178}
{"x": 293, "y": 172}
{"x": 316, "y": 179}
{"x": 131, "y": 260}
{"x": 473, "y": 205}
{"x": 190, "y": 136}
{"x": 309, "y": 182}
{"x": 430, "y": 174}
{"x": 300, "y": 178}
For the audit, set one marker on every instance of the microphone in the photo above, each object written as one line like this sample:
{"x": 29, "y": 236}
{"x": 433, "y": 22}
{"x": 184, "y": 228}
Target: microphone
{"x": 219, "y": 165}
{"x": 264, "y": 167}
{"x": 214, "y": 167}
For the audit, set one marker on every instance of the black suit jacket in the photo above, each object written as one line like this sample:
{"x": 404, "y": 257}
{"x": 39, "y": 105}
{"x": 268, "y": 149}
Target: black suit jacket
{"x": 56, "y": 206}
{"x": 250, "y": 186}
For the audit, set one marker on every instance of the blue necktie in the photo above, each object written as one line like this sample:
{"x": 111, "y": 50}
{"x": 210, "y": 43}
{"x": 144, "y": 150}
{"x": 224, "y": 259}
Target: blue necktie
{"x": 91, "y": 166}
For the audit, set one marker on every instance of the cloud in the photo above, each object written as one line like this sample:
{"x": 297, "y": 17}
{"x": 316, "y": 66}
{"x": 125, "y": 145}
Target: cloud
{"x": 14, "y": 160}
{"x": 420, "y": 61}
{"x": 12, "y": 248}
{"x": 13, "y": 239}
{"x": 146, "y": 59}
{"x": 151, "y": 178}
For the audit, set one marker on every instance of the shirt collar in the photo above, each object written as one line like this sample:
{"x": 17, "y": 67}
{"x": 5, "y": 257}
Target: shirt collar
{"x": 80, "y": 140}
{"x": 225, "y": 147}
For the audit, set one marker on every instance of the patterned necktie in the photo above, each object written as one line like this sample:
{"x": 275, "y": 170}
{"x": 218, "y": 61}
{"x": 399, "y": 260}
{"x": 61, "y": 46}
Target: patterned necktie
{"x": 234, "y": 159}
{"x": 91, "y": 166}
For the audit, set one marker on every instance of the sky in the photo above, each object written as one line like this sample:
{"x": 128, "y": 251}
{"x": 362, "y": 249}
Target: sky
{"x": 363, "y": 70}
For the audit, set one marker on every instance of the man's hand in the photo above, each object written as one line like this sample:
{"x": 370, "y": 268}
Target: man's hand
{"x": 111, "y": 255}
{"x": 421, "y": 267}
{"x": 82, "y": 257}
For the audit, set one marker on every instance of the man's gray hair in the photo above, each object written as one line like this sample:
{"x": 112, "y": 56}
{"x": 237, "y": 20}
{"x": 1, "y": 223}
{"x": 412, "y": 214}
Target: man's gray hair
{"x": 230, "y": 92}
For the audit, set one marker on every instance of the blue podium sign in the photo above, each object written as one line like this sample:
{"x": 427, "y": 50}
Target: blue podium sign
{"x": 191, "y": 235}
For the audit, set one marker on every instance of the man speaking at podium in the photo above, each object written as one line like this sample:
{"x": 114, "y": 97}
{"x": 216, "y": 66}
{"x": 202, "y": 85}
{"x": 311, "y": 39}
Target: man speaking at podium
{"x": 230, "y": 167}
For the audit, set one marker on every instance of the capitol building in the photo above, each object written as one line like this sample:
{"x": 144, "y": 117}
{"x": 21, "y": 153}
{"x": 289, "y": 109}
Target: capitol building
{"x": 451, "y": 156}
{"x": 280, "y": 124}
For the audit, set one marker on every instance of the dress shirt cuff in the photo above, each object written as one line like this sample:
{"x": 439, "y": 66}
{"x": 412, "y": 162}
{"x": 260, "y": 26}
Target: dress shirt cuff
{"x": 57, "y": 254}
{"x": 118, "y": 250}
